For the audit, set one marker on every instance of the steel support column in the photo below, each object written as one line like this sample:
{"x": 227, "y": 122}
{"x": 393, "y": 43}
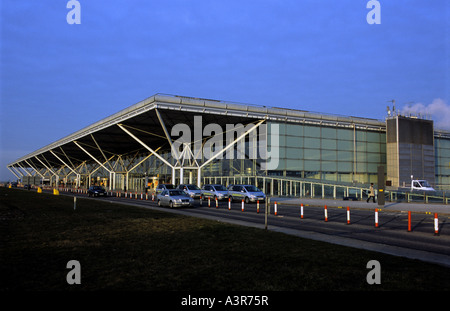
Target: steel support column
{"x": 98, "y": 162}
{"x": 226, "y": 148}
{"x": 12, "y": 171}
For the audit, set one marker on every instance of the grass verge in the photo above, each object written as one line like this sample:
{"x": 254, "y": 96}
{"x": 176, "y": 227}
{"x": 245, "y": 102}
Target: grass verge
{"x": 123, "y": 247}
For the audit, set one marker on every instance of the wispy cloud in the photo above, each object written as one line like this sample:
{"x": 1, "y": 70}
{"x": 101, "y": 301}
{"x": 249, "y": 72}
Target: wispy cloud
{"x": 438, "y": 110}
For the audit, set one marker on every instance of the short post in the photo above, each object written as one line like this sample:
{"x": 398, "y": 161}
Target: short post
{"x": 436, "y": 224}
{"x": 275, "y": 207}
{"x": 409, "y": 221}
{"x": 217, "y": 203}
{"x": 326, "y": 213}
{"x": 265, "y": 212}
{"x": 229, "y": 204}
{"x": 348, "y": 215}
{"x": 242, "y": 208}
{"x": 301, "y": 211}
{"x": 257, "y": 206}
{"x": 74, "y": 203}
{"x": 376, "y": 218}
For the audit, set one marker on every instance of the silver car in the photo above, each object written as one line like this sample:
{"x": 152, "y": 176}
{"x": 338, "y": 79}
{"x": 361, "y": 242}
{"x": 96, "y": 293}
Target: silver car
{"x": 192, "y": 190}
{"x": 248, "y": 193}
{"x": 174, "y": 198}
{"x": 161, "y": 187}
{"x": 215, "y": 191}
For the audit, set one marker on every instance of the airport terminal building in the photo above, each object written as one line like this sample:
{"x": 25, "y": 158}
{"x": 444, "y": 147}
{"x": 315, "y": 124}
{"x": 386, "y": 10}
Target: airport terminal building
{"x": 176, "y": 139}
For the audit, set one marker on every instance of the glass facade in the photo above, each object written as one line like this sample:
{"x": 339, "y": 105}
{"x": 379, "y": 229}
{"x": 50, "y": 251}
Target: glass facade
{"x": 329, "y": 153}
{"x": 442, "y": 162}
{"x": 323, "y": 153}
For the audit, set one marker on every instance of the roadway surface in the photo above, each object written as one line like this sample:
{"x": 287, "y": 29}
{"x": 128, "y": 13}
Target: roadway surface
{"x": 392, "y": 236}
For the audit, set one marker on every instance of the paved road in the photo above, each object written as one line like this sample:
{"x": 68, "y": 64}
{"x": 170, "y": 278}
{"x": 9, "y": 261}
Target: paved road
{"x": 391, "y": 236}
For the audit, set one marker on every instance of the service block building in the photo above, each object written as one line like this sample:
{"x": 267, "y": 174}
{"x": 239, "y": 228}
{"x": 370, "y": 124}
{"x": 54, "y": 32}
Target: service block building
{"x": 409, "y": 150}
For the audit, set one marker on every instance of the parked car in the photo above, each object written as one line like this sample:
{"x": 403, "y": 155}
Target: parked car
{"x": 96, "y": 191}
{"x": 174, "y": 198}
{"x": 248, "y": 193}
{"x": 162, "y": 187}
{"x": 192, "y": 190}
{"x": 215, "y": 191}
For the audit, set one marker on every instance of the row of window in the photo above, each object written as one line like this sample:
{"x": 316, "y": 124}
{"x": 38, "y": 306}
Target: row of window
{"x": 329, "y": 155}
{"x": 307, "y": 142}
{"x": 299, "y": 130}
{"x": 311, "y": 165}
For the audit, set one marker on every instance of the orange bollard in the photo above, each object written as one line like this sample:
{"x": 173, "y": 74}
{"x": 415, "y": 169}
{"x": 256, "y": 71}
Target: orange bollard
{"x": 275, "y": 208}
{"x": 301, "y": 211}
{"x": 326, "y": 213}
{"x": 409, "y": 221}
{"x": 229, "y": 204}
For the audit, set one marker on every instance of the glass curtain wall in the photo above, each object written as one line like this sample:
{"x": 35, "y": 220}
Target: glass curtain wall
{"x": 329, "y": 153}
{"x": 442, "y": 163}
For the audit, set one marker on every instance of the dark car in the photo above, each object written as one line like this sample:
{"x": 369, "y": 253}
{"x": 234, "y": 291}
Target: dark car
{"x": 96, "y": 191}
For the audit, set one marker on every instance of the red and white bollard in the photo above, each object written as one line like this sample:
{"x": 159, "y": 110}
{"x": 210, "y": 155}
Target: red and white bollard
{"x": 217, "y": 203}
{"x": 257, "y": 206}
{"x": 275, "y": 206}
{"x": 229, "y": 204}
{"x": 209, "y": 201}
{"x": 348, "y": 215}
{"x": 242, "y": 208}
{"x": 436, "y": 224}
{"x": 301, "y": 211}
{"x": 326, "y": 213}
{"x": 376, "y": 218}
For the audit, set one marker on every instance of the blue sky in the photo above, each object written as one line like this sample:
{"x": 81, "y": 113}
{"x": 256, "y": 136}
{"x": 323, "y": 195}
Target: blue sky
{"x": 316, "y": 55}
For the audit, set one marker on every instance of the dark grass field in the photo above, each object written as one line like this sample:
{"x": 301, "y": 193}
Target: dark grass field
{"x": 126, "y": 248}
